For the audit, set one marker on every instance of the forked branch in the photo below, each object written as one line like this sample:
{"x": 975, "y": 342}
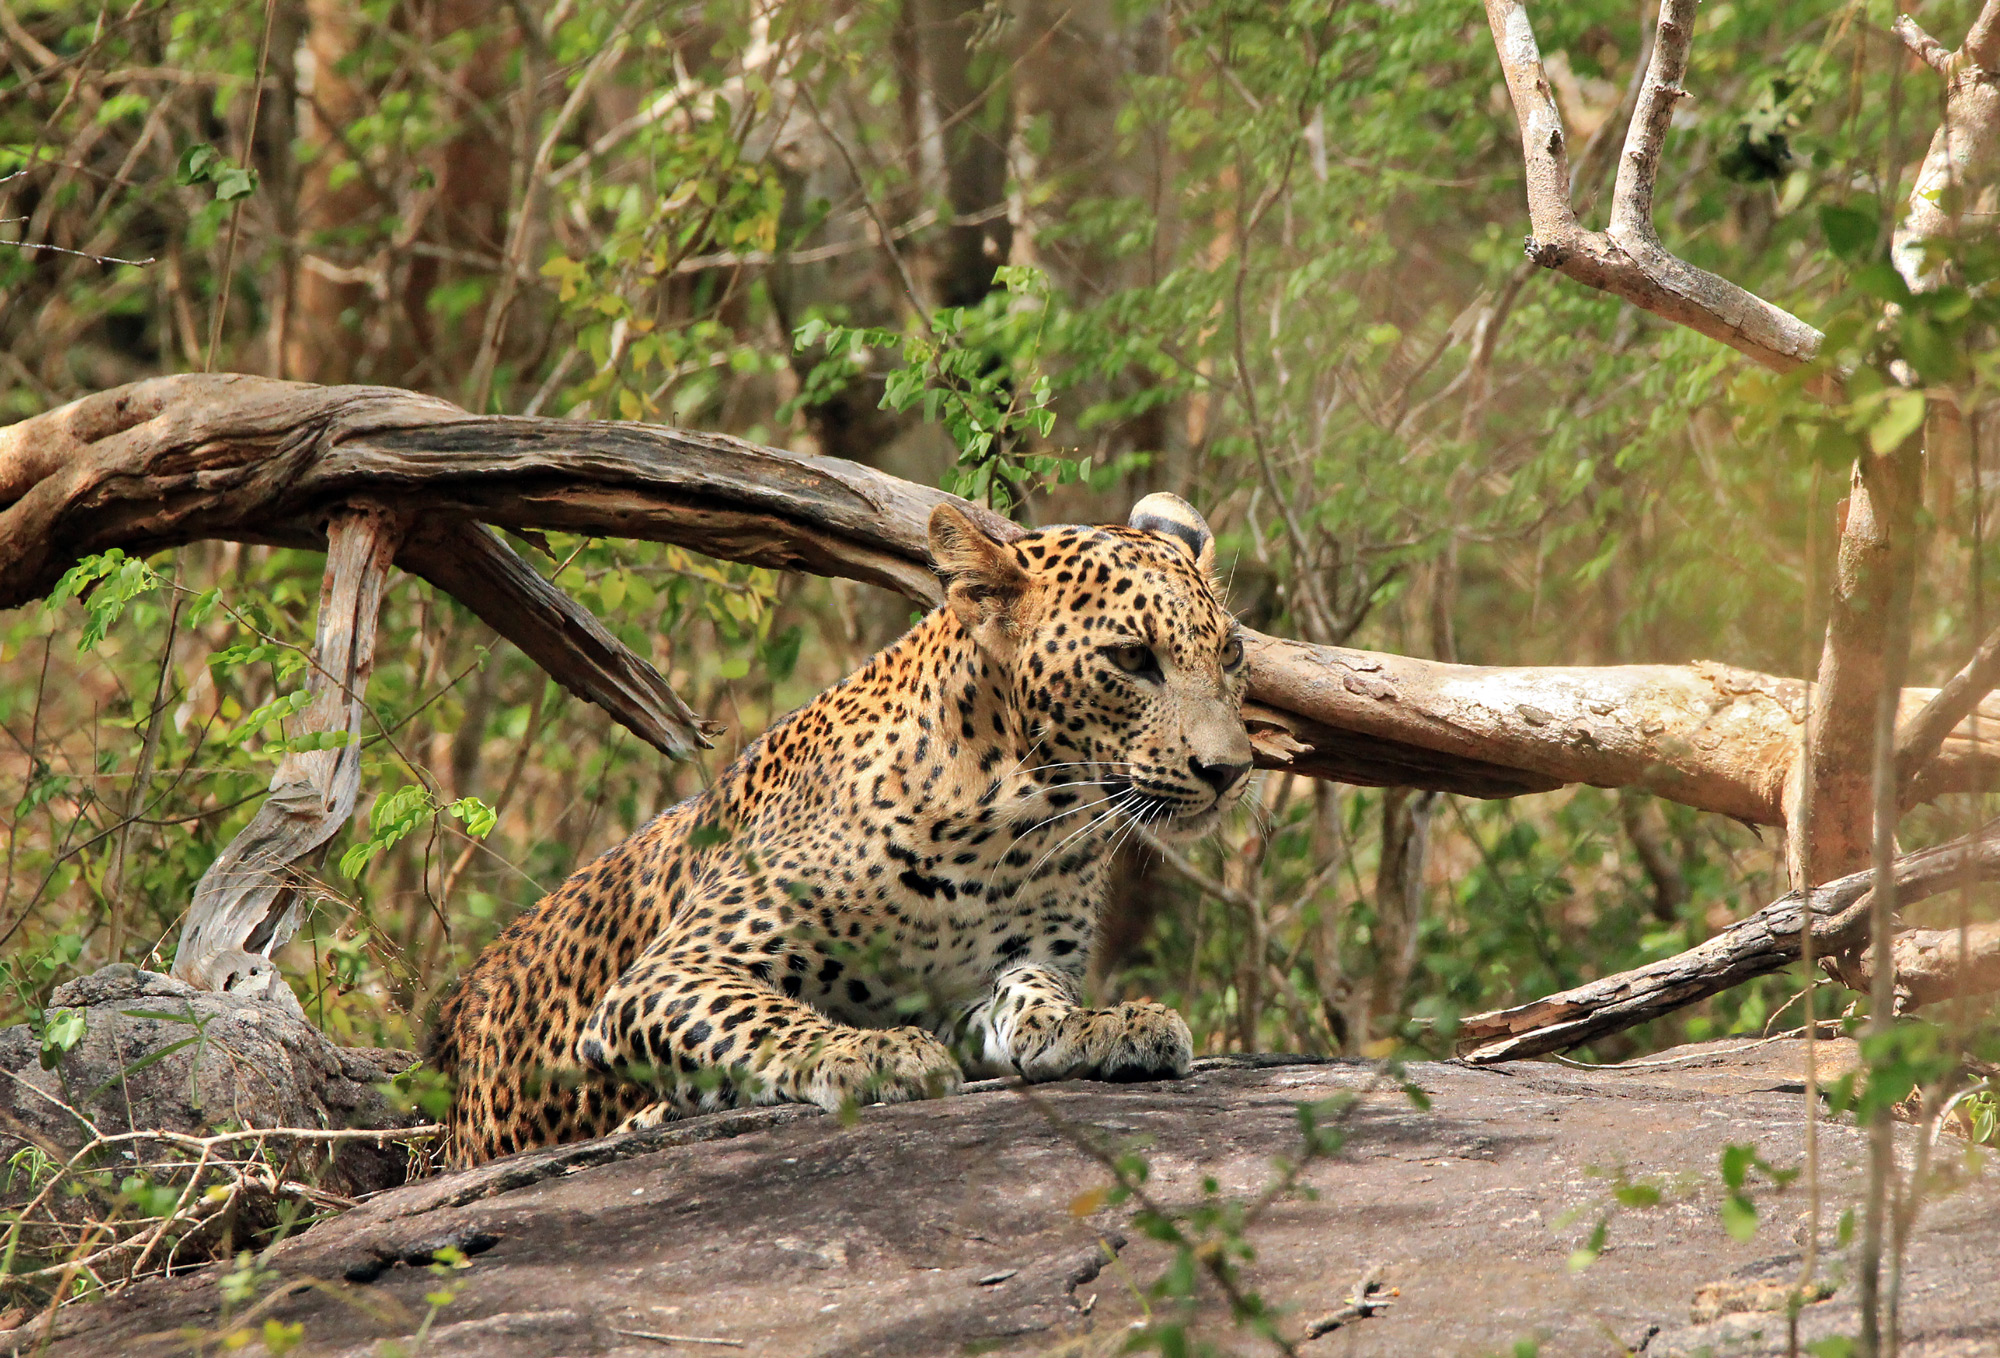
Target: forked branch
{"x": 1627, "y": 259}
{"x": 1919, "y": 738}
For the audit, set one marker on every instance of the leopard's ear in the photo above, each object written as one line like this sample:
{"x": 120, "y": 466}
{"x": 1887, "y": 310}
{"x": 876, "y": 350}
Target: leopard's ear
{"x": 983, "y": 582}
{"x": 1171, "y": 516}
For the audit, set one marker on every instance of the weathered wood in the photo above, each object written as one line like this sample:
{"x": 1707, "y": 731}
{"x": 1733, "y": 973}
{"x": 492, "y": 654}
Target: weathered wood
{"x": 1933, "y": 965}
{"x": 1627, "y": 259}
{"x": 177, "y": 459}
{"x": 248, "y": 903}
{"x": 1763, "y": 943}
{"x": 1918, "y": 738}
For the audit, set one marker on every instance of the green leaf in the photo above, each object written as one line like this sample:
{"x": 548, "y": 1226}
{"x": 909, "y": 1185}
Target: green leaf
{"x": 781, "y": 655}
{"x": 392, "y": 817}
{"x": 234, "y": 183}
{"x": 1739, "y": 1217}
{"x": 1736, "y": 1162}
{"x": 1902, "y": 415}
{"x": 1584, "y": 1255}
{"x": 151, "y": 1058}
{"x": 83, "y": 574}
{"x": 1850, "y": 233}
{"x": 204, "y": 606}
{"x": 197, "y": 164}
{"x": 280, "y": 707}
{"x": 62, "y": 1029}
{"x": 479, "y": 818}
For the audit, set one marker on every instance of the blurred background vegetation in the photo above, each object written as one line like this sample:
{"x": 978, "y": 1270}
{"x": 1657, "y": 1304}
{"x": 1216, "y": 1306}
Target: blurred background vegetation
{"x": 1051, "y": 254}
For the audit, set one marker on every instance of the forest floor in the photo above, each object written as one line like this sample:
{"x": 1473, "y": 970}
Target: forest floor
{"x": 973, "y": 1225}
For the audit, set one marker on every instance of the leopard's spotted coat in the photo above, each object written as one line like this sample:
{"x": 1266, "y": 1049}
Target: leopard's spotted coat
{"x": 909, "y": 865}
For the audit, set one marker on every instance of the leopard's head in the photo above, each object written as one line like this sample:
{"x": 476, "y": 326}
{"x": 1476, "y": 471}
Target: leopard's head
{"x": 1116, "y": 646}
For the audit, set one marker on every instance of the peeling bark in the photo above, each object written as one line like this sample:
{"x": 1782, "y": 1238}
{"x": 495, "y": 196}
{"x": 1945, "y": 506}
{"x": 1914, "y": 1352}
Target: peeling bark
{"x": 248, "y": 902}
{"x": 1932, "y": 965}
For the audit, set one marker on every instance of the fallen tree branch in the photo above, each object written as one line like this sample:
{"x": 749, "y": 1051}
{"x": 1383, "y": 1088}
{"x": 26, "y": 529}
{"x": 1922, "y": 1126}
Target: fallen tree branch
{"x": 174, "y": 460}
{"x": 1765, "y": 942}
{"x": 472, "y": 565}
{"x": 1932, "y": 965}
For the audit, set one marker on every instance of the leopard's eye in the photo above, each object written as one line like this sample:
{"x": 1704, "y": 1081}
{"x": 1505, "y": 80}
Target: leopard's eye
{"x": 1135, "y": 659}
{"x": 1232, "y": 653}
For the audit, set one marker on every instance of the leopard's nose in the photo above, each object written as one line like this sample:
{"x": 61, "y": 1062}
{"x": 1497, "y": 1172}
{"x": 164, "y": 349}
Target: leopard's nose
{"x": 1221, "y": 777}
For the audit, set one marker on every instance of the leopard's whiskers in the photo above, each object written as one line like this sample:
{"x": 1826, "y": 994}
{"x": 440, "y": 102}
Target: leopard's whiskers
{"x": 1092, "y": 824}
{"x": 987, "y": 886}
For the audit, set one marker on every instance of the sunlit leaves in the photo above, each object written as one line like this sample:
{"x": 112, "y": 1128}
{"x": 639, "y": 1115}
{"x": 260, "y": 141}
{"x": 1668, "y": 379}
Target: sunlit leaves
{"x": 203, "y": 164}
{"x": 1739, "y": 1212}
{"x": 401, "y": 812}
{"x": 106, "y": 583}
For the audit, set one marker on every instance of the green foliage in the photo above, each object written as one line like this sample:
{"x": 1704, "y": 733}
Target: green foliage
{"x": 1739, "y": 1212}
{"x": 61, "y": 1030}
{"x": 422, "y": 1089}
{"x": 106, "y": 583}
{"x": 1281, "y": 276}
{"x": 29, "y": 979}
{"x": 974, "y": 370}
{"x": 203, "y": 164}
{"x": 1626, "y": 1193}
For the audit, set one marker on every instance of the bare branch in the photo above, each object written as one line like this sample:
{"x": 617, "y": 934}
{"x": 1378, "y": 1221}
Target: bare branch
{"x": 472, "y": 565}
{"x": 1933, "y": 53}
{"x": 1982, "y": 40}
{"x": 1964, "y": 154}
{"x": 1627, "y": 260}
{"x": 247, "y": 903}
{"x": 1922, "y": 735}
{"x": 1933, "y": 965}
{"x": 176, "y": 460}
{"x": 1837, "y": 912}
{"x": 1646, "y": 136}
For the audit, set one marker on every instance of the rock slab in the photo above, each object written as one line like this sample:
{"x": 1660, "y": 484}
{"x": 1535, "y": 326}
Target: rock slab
{"x": 952, "y": 1227}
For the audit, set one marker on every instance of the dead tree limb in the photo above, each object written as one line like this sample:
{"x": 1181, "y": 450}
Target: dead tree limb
{"x": 1767, "y": 941}
{"x": 1933, "y": 965}
{"x": 248, "y": 903}
{"x": 173, "y": 460}
{"x": 1627, "y": 259}
{"x": 468, "y": 562}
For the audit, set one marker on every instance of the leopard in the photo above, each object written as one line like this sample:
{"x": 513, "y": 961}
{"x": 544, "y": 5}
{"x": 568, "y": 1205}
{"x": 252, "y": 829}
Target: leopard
{"x": 896, "y": 887}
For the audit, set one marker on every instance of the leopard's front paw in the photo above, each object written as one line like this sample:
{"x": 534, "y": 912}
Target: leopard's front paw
{"x": 892, "y": 1065}
{"x": 1138, "y": 1040}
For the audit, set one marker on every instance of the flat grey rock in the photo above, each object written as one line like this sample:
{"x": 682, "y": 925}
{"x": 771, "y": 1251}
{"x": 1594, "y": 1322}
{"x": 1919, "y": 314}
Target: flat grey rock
{"x": 948, "y": 1227}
